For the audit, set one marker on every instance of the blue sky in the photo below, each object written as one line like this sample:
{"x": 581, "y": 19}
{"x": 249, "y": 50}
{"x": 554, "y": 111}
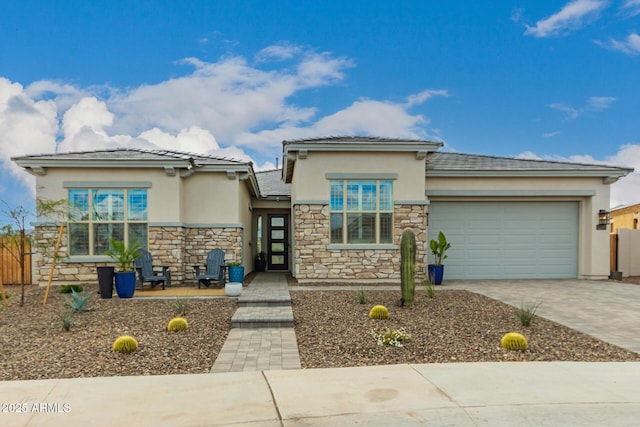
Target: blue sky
{"x": 552, "y": 80}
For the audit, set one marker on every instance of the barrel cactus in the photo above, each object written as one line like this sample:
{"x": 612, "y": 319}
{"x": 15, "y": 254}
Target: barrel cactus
{"x": 379, "y": 312}
{"x": 125, "y": 344}
{"x": 408, "y": 266}
{"x": 177, "y": 324}
{"x": 514, "y": 341}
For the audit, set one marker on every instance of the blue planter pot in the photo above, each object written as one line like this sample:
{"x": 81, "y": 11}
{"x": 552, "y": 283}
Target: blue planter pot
{"x": 236, "y": 274}
{"x": 125, "y": 284}
{"x": 436, "y": 273}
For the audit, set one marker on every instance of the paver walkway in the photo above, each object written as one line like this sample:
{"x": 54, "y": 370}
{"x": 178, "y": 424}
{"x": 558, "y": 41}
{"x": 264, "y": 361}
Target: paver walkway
{"x": 262, "y": 335}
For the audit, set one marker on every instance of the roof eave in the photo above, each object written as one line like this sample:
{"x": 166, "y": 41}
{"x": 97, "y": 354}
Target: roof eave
{"x": 611, "y": 175}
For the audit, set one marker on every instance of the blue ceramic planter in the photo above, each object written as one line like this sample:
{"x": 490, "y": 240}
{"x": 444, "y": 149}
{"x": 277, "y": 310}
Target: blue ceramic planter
{"x": 236, "y": 274}
{"x": 125, "y": 284}
{"x": 436, "y": 273}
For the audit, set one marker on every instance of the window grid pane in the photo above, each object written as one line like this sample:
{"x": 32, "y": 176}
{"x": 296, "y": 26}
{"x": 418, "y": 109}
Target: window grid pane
{"x": 78, "y": 205}
{"x": 137, "y": 205}
{"x": 336, "y": 228}
{"x": 108, "y": 205}
{"x": 386, "y": 196}
{"x": 79, "y": 239}
{"x": 386, "y": 228}
{"x": 337, "y": 195}
{"x": 102, "y": 235}
{"x": 138, "y": 233}
{"x": 361, "y": 228}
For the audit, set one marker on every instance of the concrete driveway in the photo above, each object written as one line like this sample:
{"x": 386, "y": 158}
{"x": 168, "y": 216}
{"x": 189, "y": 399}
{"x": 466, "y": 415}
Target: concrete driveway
{"x": 606, "y": 310}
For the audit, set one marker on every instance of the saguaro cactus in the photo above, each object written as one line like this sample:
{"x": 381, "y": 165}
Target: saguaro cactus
{"x": 408, "y": 266}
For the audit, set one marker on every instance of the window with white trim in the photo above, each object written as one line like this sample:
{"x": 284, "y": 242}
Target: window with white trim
{"x": 361, "y": 211}
{"x": 98, "y": 215}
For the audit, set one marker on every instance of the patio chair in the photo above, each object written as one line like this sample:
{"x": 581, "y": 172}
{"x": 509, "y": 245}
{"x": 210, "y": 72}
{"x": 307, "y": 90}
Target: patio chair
{"x": 146, "y": 273}
{"x": 216, "y": 269}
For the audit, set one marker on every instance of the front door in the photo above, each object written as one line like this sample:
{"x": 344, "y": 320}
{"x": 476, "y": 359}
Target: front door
{"x": 278, "y": 233}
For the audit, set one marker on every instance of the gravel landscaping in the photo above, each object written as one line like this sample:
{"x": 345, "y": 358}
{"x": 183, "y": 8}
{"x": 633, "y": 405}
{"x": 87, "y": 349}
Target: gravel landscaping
{"x": 34, "y": 345}
{"x": 332, "y": 328}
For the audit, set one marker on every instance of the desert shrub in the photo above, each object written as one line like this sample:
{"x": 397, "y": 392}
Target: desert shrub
{"x": 392, "y": 337}
{"x": 513, "y": 341}
{"x": 527, "y": 312}
{"x": 379, "y": 312}
{"x": 66, "y": 289}
{"x": 429, "y": 288}
{"x": 362, "y": 296}
{"x": 179, "y": 306}
{"x": 125, "y": 344}
{"x": 177, "y": 324}
{"x": 78, "y": 302}
{"x": 65, "y": 319}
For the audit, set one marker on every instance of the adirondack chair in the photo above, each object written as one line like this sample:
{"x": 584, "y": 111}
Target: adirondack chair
{"x": 146, "y": 273}
{"x": 215, "y": 269}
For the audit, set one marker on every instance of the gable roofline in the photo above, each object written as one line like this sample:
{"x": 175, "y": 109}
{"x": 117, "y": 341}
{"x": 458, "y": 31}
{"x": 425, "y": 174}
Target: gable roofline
{"x": 447, "y": 164}
{"x": 173, "y": 162}
{"x": 299, "y": 148}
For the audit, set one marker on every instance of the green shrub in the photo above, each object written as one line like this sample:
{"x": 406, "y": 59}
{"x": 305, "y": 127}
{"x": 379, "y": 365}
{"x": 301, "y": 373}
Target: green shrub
{"x": 78, "y": 302}
{"x": 379, "y": 312}
{"x": 65, "y": 318}
{"x": 66, "y": 289}
{"x": 179, "y": 306}
{"x": 527, "y": 312}
{"x": 429, "y": 288}
{"x": 514, "y": 341}
{"x": 392, "y": 337}
{"x": 362, "y": 296}
{"x": 177, "y": 324}
{"x": 125, "y": 344}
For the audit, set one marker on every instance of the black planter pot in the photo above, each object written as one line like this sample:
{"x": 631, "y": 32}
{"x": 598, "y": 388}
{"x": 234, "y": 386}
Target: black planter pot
{"x": 105, "y": 281}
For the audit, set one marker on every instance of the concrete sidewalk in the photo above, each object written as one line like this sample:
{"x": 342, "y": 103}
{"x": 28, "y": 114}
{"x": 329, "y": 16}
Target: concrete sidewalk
{"x": 463, "y": 394}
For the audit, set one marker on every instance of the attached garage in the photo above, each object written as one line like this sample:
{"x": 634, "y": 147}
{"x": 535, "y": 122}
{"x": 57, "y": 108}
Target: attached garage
{"x": 508, "y": 240}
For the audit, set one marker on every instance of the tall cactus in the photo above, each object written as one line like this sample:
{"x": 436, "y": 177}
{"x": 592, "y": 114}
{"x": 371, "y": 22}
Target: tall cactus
{"x": 408, "y": 266}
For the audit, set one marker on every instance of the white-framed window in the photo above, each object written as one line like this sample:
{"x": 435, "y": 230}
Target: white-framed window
{"x": 98, "y": 215}
{"x": 361, "y": 211}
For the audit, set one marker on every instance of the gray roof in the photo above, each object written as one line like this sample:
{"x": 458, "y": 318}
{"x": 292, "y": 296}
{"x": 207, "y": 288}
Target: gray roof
{"x": 130, "y": 154}
{"x": 368, "y": 140}
{"x": 443, "y": 162}
{"x": 271, "y": 184}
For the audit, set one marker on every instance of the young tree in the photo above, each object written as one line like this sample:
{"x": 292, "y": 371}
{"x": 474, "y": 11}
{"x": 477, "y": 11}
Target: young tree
{"x": 13, "y": 236}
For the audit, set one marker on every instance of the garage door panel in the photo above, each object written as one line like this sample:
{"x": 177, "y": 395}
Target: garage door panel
{"x": 508, "y": 239}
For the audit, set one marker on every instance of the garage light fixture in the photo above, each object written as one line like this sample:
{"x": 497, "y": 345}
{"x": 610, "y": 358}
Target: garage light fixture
{"x": 604, "y": 218}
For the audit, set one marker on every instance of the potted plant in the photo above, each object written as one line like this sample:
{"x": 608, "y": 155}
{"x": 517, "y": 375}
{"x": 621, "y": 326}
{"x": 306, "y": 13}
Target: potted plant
{"x": 236, "y": 272}
{"x": 125, "y": 257}
{"x": 260, "y": 263}
{"x": 438, "y": 248}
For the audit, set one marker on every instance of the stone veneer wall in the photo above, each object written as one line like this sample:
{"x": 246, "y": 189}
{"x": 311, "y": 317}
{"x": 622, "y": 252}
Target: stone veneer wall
{"x": 177, "y": 247}
{"x": 315, "y": 262}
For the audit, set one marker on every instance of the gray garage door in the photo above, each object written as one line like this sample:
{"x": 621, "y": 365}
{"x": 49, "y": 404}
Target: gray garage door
{"x": 508, "y": 240}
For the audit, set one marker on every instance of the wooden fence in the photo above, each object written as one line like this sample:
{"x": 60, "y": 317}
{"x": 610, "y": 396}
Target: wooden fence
{"x": 613, "y": 257}
{"x": 10, "y": 273}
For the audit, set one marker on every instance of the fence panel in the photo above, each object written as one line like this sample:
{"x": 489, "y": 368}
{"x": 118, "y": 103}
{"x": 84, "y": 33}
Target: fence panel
{"x": 10, "y": 273}
{"x": 613, "y": 258}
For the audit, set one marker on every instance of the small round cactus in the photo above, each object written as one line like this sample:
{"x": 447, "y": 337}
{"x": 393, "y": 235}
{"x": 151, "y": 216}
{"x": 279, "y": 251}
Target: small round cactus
{"x": 379, "y": 312}
{"x": 125, "y": 344}
{"x": 177, "y": 324}
{"x": 513, "y": 341}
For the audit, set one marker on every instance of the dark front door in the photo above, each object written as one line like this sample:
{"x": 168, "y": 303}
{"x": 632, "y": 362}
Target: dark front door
{"x": 278, "y": 229}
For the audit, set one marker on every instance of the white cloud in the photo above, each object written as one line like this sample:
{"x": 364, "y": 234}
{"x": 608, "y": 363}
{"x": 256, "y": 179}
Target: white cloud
{"x": 631, "y": 7}
{"x": 599, "y": 103}
{"x": 227, "y": 108}
{"x": 570, "y": 17}
{"x": 26, "y": 126}
{"x": 551, "y": 134}
{"x": 278, "y": 52}
{"x": 593, "y": 104}
{"x": 629, "y": 46}
{"x": 420, "y": 98}
{"x": 516, "y": 14}
{"x": 623, "y": 192}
